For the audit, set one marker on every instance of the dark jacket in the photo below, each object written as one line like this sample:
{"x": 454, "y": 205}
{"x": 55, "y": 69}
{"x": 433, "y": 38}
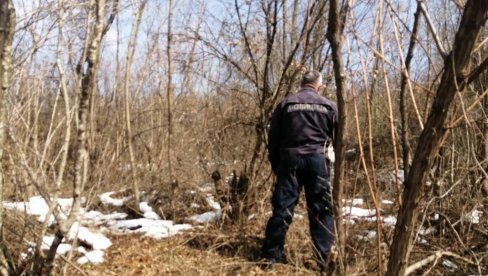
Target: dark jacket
{"x": 300, "y": 125}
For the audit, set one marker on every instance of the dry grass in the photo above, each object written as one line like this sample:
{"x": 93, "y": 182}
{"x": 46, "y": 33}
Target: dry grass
{"x": 216, "y": 249}
{"x": 179, "y": 255}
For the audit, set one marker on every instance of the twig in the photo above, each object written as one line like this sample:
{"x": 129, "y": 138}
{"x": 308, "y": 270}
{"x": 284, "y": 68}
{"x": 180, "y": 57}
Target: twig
{"x": 431, "y": 201}
{"x": 434, "y": 257}
{"x": 433, "y": 30}
{"x": 477, "y": 101}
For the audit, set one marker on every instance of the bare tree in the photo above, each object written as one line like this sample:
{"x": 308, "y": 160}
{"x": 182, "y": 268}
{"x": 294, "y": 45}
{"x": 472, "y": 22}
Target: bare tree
{"x": 454, "y": 77}
{"x": 337, "y": 20}
{"x": 130, "y": 54}
{"x": 169, "y": 91}
{"x": 403, "y": 96}
{"x": 87, "y": 72}
{"x": 7, "y": 30}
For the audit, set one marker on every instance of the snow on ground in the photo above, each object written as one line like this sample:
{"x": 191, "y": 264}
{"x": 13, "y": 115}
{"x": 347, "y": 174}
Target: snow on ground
{"x": 63, "y": 248}
{"x": 211, "y": 215}
{"x": 37, "y": 206}
{"x": 450, "y": 265}
{"x": 400, "y": 175}
{"x": 157, "y": 229}
{"x": 206, "y": 217}
{"x": 95, "y": 240}
{"x": 94, "y": 257}
{"x": 92, "y": 226}
{"x": 148, "y": 211}
{"x": 474, "y": 216}
{"x": 353, "y": 214}
{"x": 107, "y": 199}
{"x": 355, "y": 201}
{"x": 368, "y": 236}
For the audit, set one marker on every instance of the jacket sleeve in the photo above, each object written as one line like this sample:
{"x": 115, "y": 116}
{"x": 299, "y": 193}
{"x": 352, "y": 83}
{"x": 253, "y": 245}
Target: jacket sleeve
{"x": 274, "y": 139}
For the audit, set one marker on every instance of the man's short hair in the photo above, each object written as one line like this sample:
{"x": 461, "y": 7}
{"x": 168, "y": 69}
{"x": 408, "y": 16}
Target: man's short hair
{"x": 311, "y": 78}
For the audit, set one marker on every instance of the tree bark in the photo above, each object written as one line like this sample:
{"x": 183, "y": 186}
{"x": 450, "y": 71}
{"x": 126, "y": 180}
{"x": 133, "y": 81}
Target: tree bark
{"x": 334, "y": 35}
{"x": 7, "y": 30}
{"x": 455, "y": 73}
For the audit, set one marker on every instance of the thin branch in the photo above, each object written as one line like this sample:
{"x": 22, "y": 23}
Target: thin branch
{"x": 433, "y": 30}
{"x": 434, "y": 257}
{"x": 473, "y": 75}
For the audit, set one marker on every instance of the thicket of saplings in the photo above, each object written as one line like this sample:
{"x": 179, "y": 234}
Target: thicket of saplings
{"x": 215, "y": 132}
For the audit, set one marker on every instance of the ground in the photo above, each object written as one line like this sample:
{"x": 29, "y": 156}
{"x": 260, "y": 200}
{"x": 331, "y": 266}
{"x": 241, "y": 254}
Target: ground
{"x": 179, "y": 255}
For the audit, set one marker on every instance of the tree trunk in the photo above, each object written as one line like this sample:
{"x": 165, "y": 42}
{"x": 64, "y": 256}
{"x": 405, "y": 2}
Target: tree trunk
{"x": 484, "y": 160}
{"x": 403, "y": 94}
{"x": 7, "y": 30}
{"x": 87, "y": 72}
{"x": 334, "y": 35}
{"x": 169, "y": 91}
{"x": 128, "y": 65}
{"x": 455, "y": 72}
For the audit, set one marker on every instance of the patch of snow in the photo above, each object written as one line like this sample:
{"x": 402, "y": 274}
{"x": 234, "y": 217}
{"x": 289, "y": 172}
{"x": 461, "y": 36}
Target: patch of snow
{"x": 390, "y": 220}
{"x": 424, "y": 232}
{"x": 358, "y": 212}
{"x": 355, "y": 201}
{"x": 133, "y": 224}
{"x": 144, "y": 207}
{"x": 152, "y": 228}
{"x": 62, "y": 249}
{"x": 148, "y": 211}
{"x": 151, "y": 215}
{"x": 96, "y": 216}
{"x": 206, "y": 217}
{"x": 207, "y": 188}
{"x": 96, "y": 240}
{"x": 160, "y": 232}
{"x": 422, "y": 241}
{"x": 36, "y": 206}
{"x": 452, "y": 266}
{"x": 194, "y": 205}
{"x": 211, "y": 201}
{"x": 369, "y": 236}
{"x": 474, "y": 216}
{"x": 400, "y": 175}
{"x": 387, "y": 202}
{"x": 81, "y": 249}
{"x": 94, "y": 257}
{"x": 107, "y": 199}
{"x": 151, "y": 225}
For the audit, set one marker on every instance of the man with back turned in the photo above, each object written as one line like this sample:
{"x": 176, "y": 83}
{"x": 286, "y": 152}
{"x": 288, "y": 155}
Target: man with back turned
{"x": 302, "y": 125}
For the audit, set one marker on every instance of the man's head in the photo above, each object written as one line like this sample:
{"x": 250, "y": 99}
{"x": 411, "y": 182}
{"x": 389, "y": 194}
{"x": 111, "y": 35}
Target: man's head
{"x": 312, "y": 79}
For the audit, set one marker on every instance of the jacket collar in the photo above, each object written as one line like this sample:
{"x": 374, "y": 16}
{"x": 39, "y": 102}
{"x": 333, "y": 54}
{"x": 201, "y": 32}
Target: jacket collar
{"x": 307, "y": 89}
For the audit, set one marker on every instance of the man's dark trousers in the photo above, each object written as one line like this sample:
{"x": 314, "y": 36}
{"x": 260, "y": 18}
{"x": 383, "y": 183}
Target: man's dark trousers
{"x": 310, "y": 172}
